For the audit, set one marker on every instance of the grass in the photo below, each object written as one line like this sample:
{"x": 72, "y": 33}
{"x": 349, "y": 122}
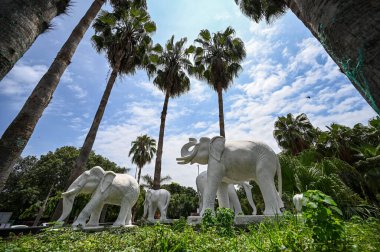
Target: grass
{"x": 285, "y": 234}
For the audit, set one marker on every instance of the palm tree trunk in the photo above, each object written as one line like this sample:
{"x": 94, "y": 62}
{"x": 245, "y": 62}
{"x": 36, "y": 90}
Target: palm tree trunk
{"x": 18, "y": 133}
{"x": 138, "y": 177}
{"x": 157, "y": 168}
{"x": 85, "y": 151}
{"x": 43, "y": 207}
{"x": 349, "y": 31}
{"x": 21, "y": 22}
{"x": 221, "y": 113}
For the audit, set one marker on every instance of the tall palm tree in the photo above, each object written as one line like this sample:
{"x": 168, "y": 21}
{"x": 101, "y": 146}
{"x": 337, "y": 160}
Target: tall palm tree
{"x": 18, "y": 133}
{"x": 148, "y": 180}
{"x": 217, "y": 61}
{"x": 294, "y": 134}
{"x": 347, "y": 29}
{"x": 142, "y": 151}
{"x": 124, "y": 36}
{"x": 21, "y": 22}
{"x": 168, "y": 65}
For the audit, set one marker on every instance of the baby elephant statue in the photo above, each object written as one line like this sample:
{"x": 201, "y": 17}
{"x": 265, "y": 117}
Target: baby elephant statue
{"x": 234, "y": 203}
{"x": 233, "y": 162}
{"x": 156, "y": 199}
{"x": 106, "y": 187}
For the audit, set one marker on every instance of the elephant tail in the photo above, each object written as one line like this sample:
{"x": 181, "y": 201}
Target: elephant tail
{"x": 279, "y": 178}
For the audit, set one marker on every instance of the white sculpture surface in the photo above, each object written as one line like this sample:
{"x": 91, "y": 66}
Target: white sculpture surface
{"x": 106, "y": 187}
{"x": 298, "y": 202}
{"x": 234, "y": 203}
{"x": 233, "y": 162}
{"x": 156, "y": 199}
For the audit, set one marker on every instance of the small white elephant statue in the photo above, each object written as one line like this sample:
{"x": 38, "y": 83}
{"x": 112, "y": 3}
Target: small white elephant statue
{"x": 298, "y": 202}
{"x": 234, "y": 203}
{"x": 156, "y": 199}
{"x": 106, "y": 187}
{"x": 233, "y": 162}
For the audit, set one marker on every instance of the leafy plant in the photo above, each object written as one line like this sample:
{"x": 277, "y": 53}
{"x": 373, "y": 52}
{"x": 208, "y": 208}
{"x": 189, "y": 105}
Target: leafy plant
{"x": 223, "y": 220}
{"x": 322, "y": 215}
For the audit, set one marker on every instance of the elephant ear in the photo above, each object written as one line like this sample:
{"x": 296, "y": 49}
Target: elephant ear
{"x": 107, "y": 180}
{"x": 217, "y": 147}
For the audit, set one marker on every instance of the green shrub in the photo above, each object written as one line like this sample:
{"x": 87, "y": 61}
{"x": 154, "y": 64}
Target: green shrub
{"x": 322, "y": 215}
{"x": 223, "y": 221}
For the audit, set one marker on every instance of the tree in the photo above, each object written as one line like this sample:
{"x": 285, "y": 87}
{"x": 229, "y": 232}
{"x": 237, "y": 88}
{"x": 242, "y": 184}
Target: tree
{"x": 347, "y": 29}
{"x": 148, "y": 180}
{"x": 142, "y": 151}
{"x": 183, "y": 200}
{"x": 124, "y": 36}
{"x": 32, "y": 179}
{"x": 21, "y": 22}
{"x": 294, "y": 134}
{"x": 168, "y": 66}
{"x": 217, "y": 61}
{"x": 18, "y": 133}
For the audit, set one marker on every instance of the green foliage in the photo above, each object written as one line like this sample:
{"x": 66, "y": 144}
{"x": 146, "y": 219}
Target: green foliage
{"x": 30, "y": 182}
{"x": 321, "y": 214}
{"x": 222, "y": 221}
{"x": 285, "y": 234}
{"x": 183, "y": 200}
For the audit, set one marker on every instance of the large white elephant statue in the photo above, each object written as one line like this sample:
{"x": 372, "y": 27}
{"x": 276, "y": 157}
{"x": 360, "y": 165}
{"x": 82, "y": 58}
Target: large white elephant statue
{"x": 233, "y": 162}
{"x": 156, "y": 199}
{"x": 106, "y": 187}
{"x": 234, "y": 203}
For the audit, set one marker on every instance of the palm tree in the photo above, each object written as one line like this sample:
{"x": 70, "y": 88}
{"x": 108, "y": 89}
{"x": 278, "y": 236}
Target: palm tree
{"x": 217, "y": 61}
{"x": 21, "y": 22}
{"x": 18, "y": 133}
{"x": 142, "y": 151}
{"x": 294, "y": 134}
{"x": 351, "y": 44}
{"x": 148, "y": 180}
{"x": 168, "y": 66}
{"x": 125, "y": 38}
{"x": 338, "y": 141}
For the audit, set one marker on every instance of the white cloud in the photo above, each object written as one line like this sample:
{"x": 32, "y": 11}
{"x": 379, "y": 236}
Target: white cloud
{"x": 79, "y": 92}
{"x": 22, "y": 79}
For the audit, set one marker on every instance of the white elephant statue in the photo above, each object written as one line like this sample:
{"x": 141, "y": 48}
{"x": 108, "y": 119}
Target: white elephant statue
{"x": 298, "y": 202}
{"x": 106, "y": 187}
{"x": 233, "y": 162}
{"x": 156, "y": 199}
{"x": 234, "y": 203}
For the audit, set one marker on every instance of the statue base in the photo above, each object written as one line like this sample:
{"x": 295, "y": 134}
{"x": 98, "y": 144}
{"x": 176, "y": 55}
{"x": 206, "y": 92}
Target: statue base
{"x": 239, "y": 219}
{"x": 166, "y": 221}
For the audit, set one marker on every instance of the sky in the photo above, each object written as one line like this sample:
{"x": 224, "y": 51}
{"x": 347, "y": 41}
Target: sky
{"x": 284, "y": 66}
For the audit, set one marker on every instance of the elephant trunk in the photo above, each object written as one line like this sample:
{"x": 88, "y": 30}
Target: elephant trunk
{"x": 187, "y": 155}
{"x": 146, "y": 206}
{"x": 248, "y": 191}
{"x": 68, "y": 201}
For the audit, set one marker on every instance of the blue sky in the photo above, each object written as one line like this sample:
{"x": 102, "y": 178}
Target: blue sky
{"x": 284, "y": 65}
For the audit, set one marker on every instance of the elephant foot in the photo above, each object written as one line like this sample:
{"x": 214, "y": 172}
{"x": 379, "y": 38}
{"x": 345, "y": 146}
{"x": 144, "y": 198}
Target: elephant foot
{"x": 78, "y": 224}
{"x": 118, "y": 224}
{"x": 271, "y": 212}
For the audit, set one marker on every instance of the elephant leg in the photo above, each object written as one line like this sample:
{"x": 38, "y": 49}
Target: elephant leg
{"x": 88, "y": 210}
{"x": 95, "y": 216}
{"x": 152, "y": 210}
{"x": 162, "y": 209}
{"x": 270, "y": 195}
{"x": 128, "y": 220}
{"x": 222, "y": 194}
{"x": 234, "y": 200}
{"x": 213, "y": 181}
{"x": 121, "y": 218}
